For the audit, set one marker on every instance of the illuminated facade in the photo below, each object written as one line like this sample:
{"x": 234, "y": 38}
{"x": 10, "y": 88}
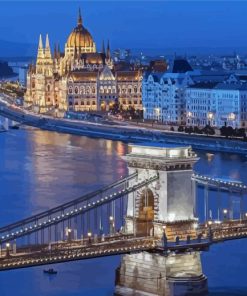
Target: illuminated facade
{"x": 80, "y": 79}
{"x": 217, "y": 104}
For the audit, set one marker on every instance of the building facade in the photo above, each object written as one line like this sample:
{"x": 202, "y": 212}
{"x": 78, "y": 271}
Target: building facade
{"x": 80, "y": 79}
{"x": 217, "y": 104}
{"x": 163, "y": 94}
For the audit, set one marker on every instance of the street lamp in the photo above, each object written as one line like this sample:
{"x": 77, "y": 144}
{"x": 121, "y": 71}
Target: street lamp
{"x": 69, "y": 232}
{"x": 195, "y": 225}
{"x": 112, "y": 224}
{"x": 164, "y": 237}
{"x": 89, "y": 234}
{"x": 225, "y": 212}
{"x": 189, "y": 115}
{"x": 231, "y": 116}
{"x": 210, "y": 117}
{"x": 7, "y": 250}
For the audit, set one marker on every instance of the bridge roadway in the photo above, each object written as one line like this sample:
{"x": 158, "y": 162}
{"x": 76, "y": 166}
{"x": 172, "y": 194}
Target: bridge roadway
{"x": 117, "y": 244}
{"x": 75, "y": 250}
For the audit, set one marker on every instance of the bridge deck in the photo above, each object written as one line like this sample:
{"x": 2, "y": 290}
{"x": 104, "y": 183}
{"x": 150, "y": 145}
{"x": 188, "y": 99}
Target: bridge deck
{"x": 71, "y": 251}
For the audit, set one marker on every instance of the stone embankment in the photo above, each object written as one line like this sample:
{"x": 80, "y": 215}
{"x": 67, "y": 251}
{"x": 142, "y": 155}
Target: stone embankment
{"x": 123, "y": 132}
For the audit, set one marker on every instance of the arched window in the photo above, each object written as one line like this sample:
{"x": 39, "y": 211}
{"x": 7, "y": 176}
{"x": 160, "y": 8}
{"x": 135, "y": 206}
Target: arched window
{"x": 48, "y": 87}
{"x": 70, "y": 90}
{"x": 76, "y": 90}
{"x": 88, "y": 90}
{"x": 82, "y": 91}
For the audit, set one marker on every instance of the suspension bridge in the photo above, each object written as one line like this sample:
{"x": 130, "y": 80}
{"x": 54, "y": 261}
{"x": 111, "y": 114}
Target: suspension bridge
{"x": 152, "y": 210}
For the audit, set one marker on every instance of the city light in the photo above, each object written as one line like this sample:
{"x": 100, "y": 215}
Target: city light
{"x": 232, "y": 116}
{"x": 210, "y": 115}
{"x": 195, "y": 225}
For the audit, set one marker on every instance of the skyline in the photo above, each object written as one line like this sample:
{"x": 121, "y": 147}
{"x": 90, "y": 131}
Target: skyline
{"x": 190, "y": 25}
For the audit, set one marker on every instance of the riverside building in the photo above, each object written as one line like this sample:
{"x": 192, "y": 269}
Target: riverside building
{"x": 163, "y": 94}
{"x": 81, "y": 78}
{"x": 217, "y": 103}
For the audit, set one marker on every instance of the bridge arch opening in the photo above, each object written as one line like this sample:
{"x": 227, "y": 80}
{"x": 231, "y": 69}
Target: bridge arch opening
{"x": 146, "y": 206}
{"x": 145, "y": 217}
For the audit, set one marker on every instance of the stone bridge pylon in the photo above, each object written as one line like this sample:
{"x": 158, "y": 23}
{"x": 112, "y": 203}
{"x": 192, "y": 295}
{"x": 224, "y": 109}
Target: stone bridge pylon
{"x": 155, "y": 209}
{"x": 171, "y": 197}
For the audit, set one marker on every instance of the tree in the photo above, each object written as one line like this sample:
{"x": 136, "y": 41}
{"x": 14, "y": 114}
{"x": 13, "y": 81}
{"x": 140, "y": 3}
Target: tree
{"x": 180, "y": 128}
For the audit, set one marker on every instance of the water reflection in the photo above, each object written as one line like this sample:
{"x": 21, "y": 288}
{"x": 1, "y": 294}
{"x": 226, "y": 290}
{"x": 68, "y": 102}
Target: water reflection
{"x": 39, "y": 170}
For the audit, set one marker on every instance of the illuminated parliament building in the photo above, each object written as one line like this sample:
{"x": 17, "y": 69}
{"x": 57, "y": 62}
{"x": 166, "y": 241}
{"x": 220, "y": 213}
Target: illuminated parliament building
{"x": 81, "y": 78}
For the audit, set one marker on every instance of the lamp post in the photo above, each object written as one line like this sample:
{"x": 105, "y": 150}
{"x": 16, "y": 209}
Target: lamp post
{"x": 164, "y": 237}
{"x": 210, "y": 117}
{"x": 112, "y": 225}
{"x": 210, "y": 234}
{"x": 69, "y": 233}
{"x": 189, "y": 115}
{"x": 232, "y": 118}
{"x": 157, "y": 111}
{"x": 89, "y": 234}
{"x": 225, "y": 212}
{"x": 7, "y": 250}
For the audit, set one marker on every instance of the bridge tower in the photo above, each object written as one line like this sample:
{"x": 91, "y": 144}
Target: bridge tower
{"x": 166, "y": 202}
{"x": 171, "y": 198}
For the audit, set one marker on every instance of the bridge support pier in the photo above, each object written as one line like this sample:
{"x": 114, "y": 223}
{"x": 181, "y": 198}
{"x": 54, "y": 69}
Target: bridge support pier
{"x": 155, "y": 274}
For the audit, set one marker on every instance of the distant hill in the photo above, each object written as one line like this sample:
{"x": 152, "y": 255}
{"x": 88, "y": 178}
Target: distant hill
{"x": 5, "y": 70}
{"x": 13, "y": 49}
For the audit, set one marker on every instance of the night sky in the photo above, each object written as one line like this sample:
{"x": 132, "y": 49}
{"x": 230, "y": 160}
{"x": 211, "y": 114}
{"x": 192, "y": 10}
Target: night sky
{"x": 130, "y": 24}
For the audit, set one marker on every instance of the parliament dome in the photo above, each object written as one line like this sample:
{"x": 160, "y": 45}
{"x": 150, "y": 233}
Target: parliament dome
{"x": 80, "y": 38}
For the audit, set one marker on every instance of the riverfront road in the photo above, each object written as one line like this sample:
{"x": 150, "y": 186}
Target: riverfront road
{"x": 119, "y": 131}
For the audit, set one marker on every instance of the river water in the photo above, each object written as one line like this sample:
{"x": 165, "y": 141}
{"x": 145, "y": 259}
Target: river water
{"x": 39, "y": 170}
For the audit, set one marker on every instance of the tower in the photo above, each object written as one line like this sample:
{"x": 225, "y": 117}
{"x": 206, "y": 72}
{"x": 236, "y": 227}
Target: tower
{"x": 40, "y": 56}
{"x": 168, "y": 199}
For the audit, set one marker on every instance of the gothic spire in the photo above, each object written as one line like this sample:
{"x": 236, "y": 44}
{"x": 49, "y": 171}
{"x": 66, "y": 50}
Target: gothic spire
{"x": 40, "y": 42}
{"x": 108, "y": 51}
{"x": 47, "y": 47}
{"x": 79, "y": 22}
{"x": 47, "y": 42}
{"x": 40, "y": 48}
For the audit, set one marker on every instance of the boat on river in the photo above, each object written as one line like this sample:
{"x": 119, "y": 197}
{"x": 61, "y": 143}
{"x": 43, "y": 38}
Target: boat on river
{"x": 50, "y": 271}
